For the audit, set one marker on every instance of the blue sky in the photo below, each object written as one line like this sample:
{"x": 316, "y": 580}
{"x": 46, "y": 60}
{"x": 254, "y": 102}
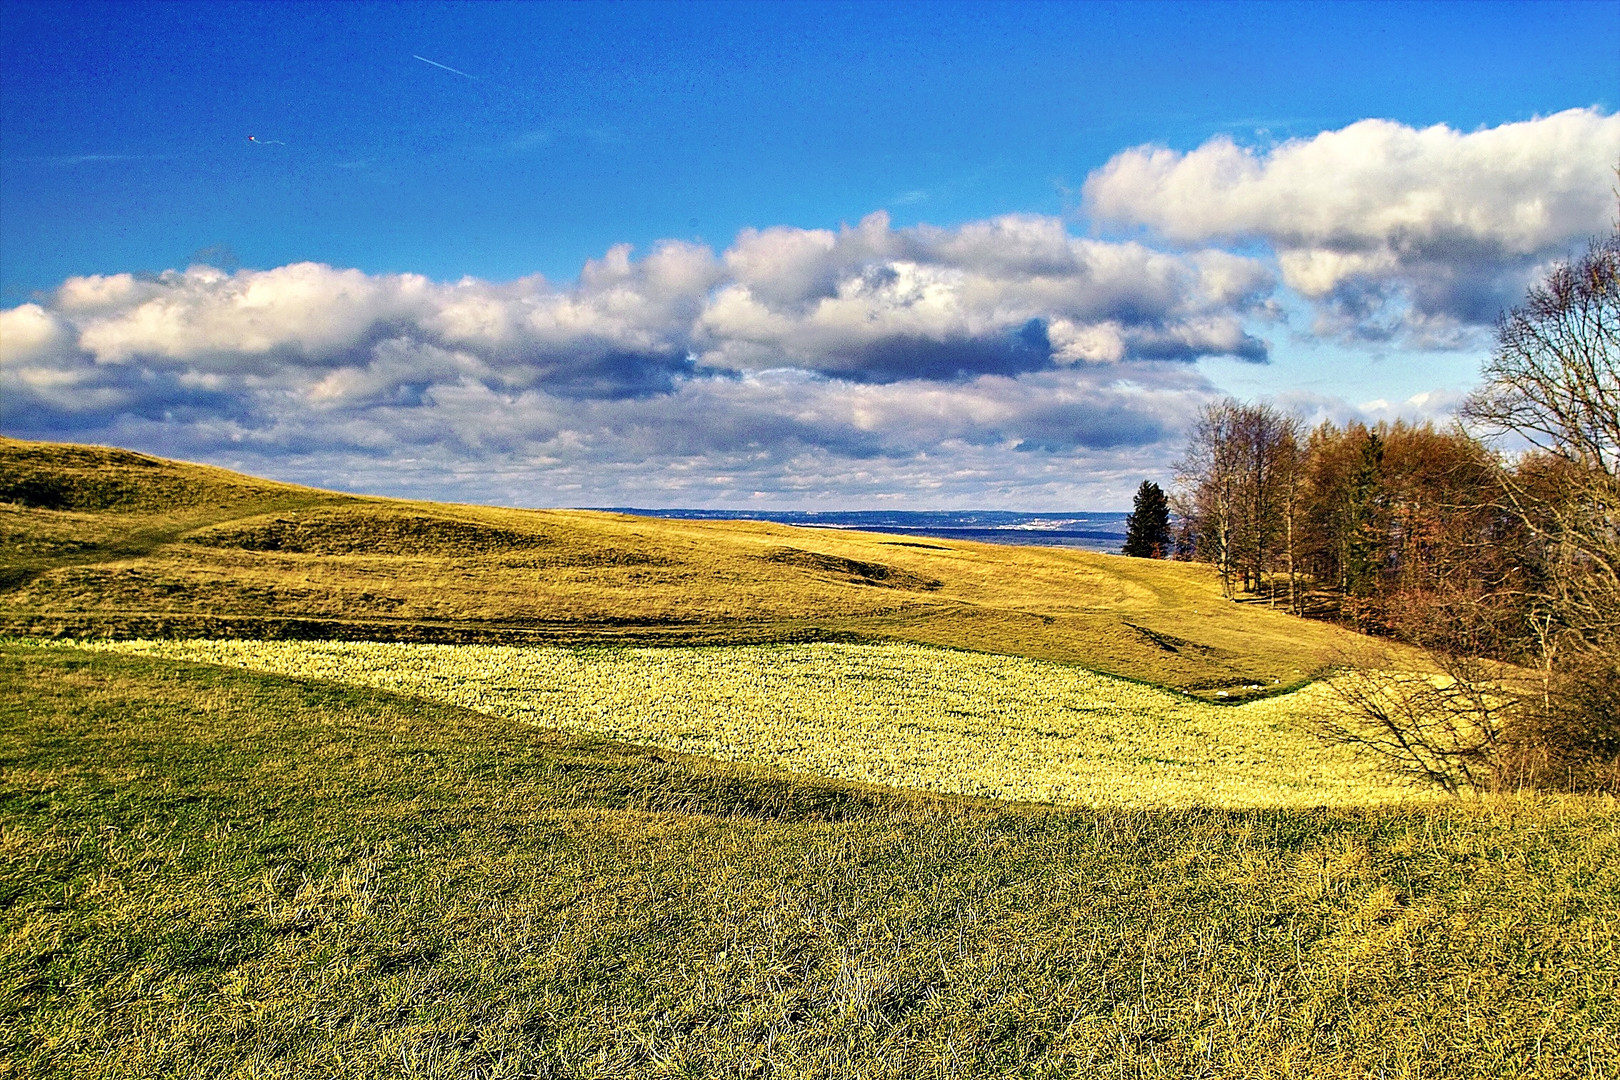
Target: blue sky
{"x": 948, "y": 354}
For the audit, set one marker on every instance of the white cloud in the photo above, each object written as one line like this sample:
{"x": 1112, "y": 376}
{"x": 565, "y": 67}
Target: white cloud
{"x": 1002, "y": 295}
{"x": 869, "y": 303}
{"x": 905, "y": 364}
{"x": 27, "y": 331}
{"x": 1438, "y": 407}
{"x": 1425, "y": 230}
{"x": 304, "y": 311}
{"x": 97, "y": 291}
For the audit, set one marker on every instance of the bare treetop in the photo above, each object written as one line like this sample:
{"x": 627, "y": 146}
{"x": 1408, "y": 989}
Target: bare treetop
{"x": 1554, "y": 379}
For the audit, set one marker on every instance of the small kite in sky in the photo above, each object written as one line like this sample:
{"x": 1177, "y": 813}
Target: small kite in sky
{"x": 256, "y": 141}
{"x": 446, "y": 67}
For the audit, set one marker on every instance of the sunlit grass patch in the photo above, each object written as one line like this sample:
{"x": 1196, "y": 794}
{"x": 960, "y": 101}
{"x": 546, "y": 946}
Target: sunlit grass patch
{"x": 901, "y": 715}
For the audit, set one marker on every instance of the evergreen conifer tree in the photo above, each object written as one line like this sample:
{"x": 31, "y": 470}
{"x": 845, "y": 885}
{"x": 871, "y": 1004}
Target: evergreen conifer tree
{"x": 1147, "y": 530}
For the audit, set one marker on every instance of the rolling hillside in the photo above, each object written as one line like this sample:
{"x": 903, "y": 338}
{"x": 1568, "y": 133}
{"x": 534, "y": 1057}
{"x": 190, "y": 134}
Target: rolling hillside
{"x": 212, "y": 869}
{"x": 214, "y": 872}
{"x": 97, "y": 541}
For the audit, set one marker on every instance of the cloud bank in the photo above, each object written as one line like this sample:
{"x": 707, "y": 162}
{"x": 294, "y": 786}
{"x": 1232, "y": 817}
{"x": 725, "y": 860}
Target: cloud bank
{"x": 1004, "y": 362}
{"x": 898, "y": 354}
{"x": 1391, "y": 231}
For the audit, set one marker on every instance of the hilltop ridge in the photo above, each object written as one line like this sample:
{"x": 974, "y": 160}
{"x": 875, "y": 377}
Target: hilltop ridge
{"x": 100, "y": 541}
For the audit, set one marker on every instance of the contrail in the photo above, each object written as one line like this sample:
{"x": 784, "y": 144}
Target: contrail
{"x": 452, "y": 70}
{"x": 256, "y": 141}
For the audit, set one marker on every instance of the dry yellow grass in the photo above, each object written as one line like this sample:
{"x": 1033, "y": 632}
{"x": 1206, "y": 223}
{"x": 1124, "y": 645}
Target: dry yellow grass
{"x": 96, "y": 541}
{"x": 900, "y": 715}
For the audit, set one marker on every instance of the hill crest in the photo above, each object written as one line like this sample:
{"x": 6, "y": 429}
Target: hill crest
{"x": 99, "y": 541}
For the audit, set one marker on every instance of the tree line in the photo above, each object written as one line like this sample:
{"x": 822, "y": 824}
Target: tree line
{"x": 1493, "y": 544}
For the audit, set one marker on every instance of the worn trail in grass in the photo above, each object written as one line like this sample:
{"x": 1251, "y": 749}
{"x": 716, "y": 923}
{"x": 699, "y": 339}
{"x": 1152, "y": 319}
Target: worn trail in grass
{"x": 219, "y": 872}
{"x": 937, "y": 719}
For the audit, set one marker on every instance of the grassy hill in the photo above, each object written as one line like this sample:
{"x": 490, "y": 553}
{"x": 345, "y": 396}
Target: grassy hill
{"x": 97, "y": 541}
{"x": 207, "y": 872}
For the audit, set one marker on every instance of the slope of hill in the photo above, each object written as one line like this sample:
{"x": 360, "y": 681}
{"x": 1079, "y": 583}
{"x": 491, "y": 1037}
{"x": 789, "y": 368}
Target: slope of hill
{"x": 211, "y": 872}
{"x": 98, "y": 541}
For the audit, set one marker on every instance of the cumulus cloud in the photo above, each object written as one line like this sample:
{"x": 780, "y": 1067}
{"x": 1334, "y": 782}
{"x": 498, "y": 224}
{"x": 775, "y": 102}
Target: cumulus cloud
{"x": 28, "y": 331}
{"x": 1390, "y": 230}
{"x": 1013, "y": 294}
{"x": 1438, "y": 407}
{"x": 901, "y": 353}
{"x": 868, "y": 303}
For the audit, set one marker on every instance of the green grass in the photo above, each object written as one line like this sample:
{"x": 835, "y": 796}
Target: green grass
{"x": 101, "y": 542}
{"x": 215, "y": 872}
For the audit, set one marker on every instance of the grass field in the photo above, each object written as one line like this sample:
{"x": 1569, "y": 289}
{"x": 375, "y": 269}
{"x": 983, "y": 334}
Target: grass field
{"x": 905, "y": 715}
{"x": 227, "y": 873}
{"x": 552, "y": 850}
{"x": 105, "y": 542}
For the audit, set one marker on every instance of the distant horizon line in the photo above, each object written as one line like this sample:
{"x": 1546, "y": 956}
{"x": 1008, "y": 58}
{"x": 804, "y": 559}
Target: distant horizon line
{"x": 870, "y": 510}
{"x": 1091, "y": 530}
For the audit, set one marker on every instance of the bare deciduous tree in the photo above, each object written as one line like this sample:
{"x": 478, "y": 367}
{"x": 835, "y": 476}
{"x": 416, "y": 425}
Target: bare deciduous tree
{"x": 1552, "y": 379}
{"x": 1239, "y": 478}
{"x": 1447, "y": 727}
{"x": 1554, "y": 383}
{"x": 1210, "y": 473}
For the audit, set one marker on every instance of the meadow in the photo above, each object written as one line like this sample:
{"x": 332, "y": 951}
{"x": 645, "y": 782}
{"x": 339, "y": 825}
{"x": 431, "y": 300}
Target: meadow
{"x": 221, "y": 872}
{"x": 405, "y": 789}
{"x": 101, "y": 542}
